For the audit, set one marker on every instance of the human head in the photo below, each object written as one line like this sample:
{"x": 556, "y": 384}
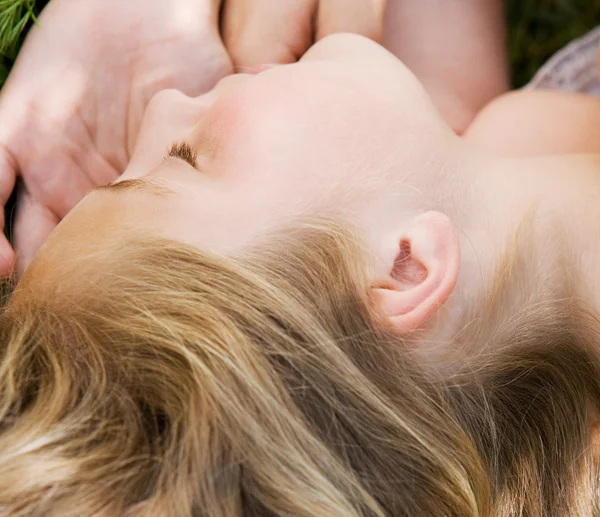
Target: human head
{"x": 288, "y": 143}
{"x": 347, "y": 133}
{"x": 132, "y": 310}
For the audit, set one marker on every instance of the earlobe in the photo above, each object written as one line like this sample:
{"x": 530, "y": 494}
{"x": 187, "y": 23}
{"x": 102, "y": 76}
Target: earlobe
{"x": 422, "y": 271}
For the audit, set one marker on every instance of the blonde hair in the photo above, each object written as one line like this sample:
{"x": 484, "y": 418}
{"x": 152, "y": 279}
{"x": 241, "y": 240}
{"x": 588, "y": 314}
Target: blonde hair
{"x": 152, "y": 379}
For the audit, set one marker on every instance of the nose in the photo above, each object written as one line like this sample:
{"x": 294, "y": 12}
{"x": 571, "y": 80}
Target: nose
{"x": 169, "y": 117}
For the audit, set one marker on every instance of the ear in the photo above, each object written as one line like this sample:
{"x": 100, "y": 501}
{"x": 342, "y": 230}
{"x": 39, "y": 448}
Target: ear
{"x": 421, "y": 271}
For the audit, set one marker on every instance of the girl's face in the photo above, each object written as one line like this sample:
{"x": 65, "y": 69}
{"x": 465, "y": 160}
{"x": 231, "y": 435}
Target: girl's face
{"x": 337, "y": 131}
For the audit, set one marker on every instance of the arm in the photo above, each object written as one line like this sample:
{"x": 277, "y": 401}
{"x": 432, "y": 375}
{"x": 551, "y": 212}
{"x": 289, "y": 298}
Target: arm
{"x": 455, "y": 47}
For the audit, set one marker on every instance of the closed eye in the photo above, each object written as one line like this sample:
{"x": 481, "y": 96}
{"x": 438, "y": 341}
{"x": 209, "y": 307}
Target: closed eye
{"x": 185, "y": 152}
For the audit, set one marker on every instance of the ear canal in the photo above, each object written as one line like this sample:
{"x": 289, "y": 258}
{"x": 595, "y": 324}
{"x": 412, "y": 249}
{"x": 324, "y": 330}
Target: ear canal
{"x": 407, "y": 269}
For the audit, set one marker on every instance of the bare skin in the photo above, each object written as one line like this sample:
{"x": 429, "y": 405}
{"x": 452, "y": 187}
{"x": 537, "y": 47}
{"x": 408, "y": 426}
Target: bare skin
{"x": 330, "y": 134}
{"x": 71, "y": 109}
{"x": 456, "y": 48}
{"x": 531, "y": 123}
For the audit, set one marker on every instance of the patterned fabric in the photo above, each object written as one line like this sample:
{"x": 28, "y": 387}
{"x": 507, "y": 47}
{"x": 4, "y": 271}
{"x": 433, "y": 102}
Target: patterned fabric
{"x": 574, "y": 68}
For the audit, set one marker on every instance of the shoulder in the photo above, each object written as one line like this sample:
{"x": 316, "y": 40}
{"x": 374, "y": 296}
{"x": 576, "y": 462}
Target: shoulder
{"x": 535, "y": 122}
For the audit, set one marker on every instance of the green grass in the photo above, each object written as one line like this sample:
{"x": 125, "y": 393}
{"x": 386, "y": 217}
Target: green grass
{"x": 16, "y": 14}
{"x": 15, "y": 18}
{"x": 536, "y": 29}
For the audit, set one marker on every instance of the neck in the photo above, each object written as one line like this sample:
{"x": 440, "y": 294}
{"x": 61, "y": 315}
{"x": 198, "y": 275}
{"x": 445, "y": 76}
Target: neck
{"x": 530, "y": 232}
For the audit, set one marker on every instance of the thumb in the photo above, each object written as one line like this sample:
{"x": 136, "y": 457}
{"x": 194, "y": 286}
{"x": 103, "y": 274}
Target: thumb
{"x": 8, "y": 174}
{"x": 33, "y": 224}
{"x": 359, "y": 16}
{"x": 259, "y": 32}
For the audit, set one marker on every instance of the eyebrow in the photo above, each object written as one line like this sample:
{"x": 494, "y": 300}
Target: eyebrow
{"x": 146, "y": 185}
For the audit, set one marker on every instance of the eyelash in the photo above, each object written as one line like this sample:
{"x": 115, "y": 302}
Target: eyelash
{"x": 183, "y": 151}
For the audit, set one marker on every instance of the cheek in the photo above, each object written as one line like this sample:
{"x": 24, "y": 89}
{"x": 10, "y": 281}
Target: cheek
{"x": 288, "y": 148}
{"x": 277, "y": 132}
{"x": 255, "y": 131}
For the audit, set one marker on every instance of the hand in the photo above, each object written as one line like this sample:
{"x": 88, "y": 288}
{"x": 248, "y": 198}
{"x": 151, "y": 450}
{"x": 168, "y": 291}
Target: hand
{"x": 258, "y": 32}
{"x": 72, "y": 106}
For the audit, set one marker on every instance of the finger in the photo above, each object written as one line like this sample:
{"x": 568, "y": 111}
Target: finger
{"x": 358, "y": 16}
{"x": 7, "y": 257}
{"x": 8, "y": 173}
{"x": 256, "y": 32}
{"x": 33, "y": 224}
